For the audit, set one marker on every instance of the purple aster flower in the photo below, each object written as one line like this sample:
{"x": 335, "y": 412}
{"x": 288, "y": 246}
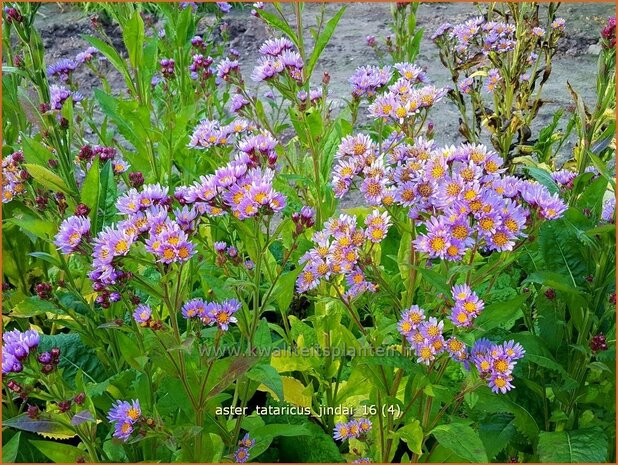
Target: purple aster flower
{"x": 609, "y": 209}
{"x": 246, "y": 442}
{"x": 72, "y": 233}
{"x": 501, "y": 383}
{"x": 86, "y": 56}
{"x": 241, "y": 455}
{"x": 225, "y": 7}
{"x": 142, "y": 314}
{"x": 60, "y": 94}
{"x": 62, "y": 69}
{"x": 226, "y": 68}
{"x": 342, "y": 432}
{"x": 10, "y": 363}
{"x": 237, "y": 102}
{"x": 465, "y": 85}
{"x": 492, "y": 81}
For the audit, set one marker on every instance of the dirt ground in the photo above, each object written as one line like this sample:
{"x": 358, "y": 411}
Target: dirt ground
{"x": 61, "y": 26}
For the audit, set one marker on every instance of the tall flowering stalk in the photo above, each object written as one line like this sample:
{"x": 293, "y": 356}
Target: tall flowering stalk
{"x": 498, "y": 63}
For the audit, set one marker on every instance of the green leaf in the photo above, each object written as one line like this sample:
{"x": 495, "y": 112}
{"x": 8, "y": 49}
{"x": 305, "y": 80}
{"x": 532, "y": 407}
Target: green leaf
{"x": 279, "y": 24}
{"x": 74, "y": 355}
{"x": 34, "y": 151}
{"x": 33, "y": 306}
{"x": 492, "y": 403}
{"x": 133, "y": 37}
{"x": 544, "y": 177}
{"x": 587, "y": 445}
{"x": 562, "y": 252}
{"x": 322, "y": 40}
{"x": 538, "y": 353}
{"x": 114, "y": 58}
{"x": 46, "y": 426}
{"x": 412, "y": 435}
{"x": 58, "y": 452}
{"x": 46, "y": 178}
{"x": 499, "y": 313}
{"x": 462, "y": 440}
{"x": 268, "y": 376}
{"x": 11, "y": 448}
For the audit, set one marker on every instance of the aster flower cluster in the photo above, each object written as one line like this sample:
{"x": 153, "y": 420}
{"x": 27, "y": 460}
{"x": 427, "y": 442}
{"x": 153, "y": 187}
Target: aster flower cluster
{"x": 477, "y": 37}
{"x": 279, "y": 57}
{"x": 62, "y": 69}
{"x": 244, "y": 446}
{"x": 125, "y": 416}
{"x": 211, "y": 313}
{"x": 338, "y": 252}
{"x": 404, "y": 99}
{"x": 13, "y": 176}
{"x": 73, "y": 234}
{"x": 425, "y": 336}
{"x": 200, "y": 69}
{"x": 211, "y": 133}
{"x": 148, "y": 221}
{"x": 60, "y": 94}
{"x": 16, "y": 348}
{"x": 459, "y": 194}
{"x": 467, "y": 306}
{"x": 353, "y": 429}
{"x": 495, "y": 362}
{"x": 368, "y": 80}
{"x": 227, "y": 69}
{"x": 243, "y": 187}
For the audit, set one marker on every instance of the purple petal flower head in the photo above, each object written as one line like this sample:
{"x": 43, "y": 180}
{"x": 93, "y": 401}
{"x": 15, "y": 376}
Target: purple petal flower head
{"x": 10, "y": 363}
{"x": 224, "y": 7}
{"x": 226, "y": 68}
{"x": 564, "y": 177}
{"x": 367, "y": 80}
{"x": 558, "y": 24}
{"x": 412, "y": 73}
{"x": 73, "y": 232}
{"x": 342, "y": 432}
{"x": 538, "y": 31}
{"x": 499, "y": 382}
{"x": 12, "y": 179}
{"x": 609, "y": 209}
{"x": 86, "y": 56}
{"x": 410, "y": 320}
{"x": 62, "y": 69}
{"x": 185, "y": 5}
{"x": 142, "y": 315}
{"x": 241, "y": 455}
{"x": 492, "y": 81}
{"x": 60, "y": 94}
{"x": 222, "y": 314}
{"x": 465, "y": 85}
{"x": 237, "y": 102}
{"x": 194, "y": 308}
{"x": 246, "y": 442}
{"x": 441, "y": 31}
{"x": 274, "y": 47}
{"x": 124, "y": 415}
